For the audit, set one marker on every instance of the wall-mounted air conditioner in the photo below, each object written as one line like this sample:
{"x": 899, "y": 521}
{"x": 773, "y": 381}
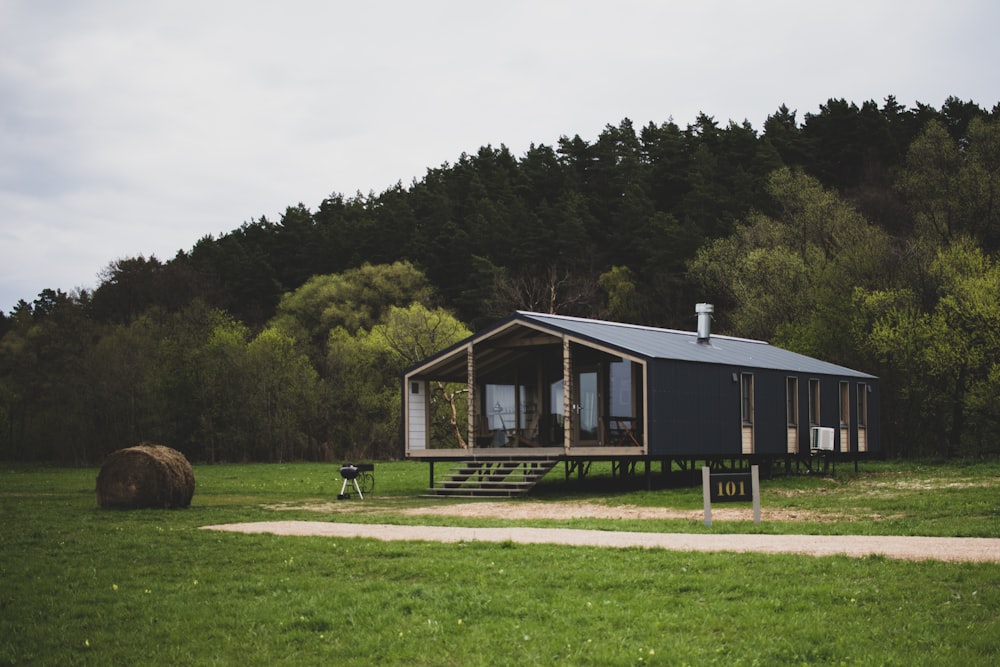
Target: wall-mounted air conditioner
{"x": 821, "y": 439}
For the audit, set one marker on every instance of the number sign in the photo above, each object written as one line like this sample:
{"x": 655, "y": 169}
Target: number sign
{"x": 731, "y": 487}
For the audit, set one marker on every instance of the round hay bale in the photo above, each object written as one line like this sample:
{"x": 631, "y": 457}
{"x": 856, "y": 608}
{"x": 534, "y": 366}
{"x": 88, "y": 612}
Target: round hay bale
{"x": 145, "y": 476}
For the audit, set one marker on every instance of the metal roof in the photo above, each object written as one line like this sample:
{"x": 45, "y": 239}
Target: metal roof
{"x": 510, "y": 337}
{"x": 655, "y": 343}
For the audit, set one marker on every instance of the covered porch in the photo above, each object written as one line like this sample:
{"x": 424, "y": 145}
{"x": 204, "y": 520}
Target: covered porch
{"x": 519, "y": 389}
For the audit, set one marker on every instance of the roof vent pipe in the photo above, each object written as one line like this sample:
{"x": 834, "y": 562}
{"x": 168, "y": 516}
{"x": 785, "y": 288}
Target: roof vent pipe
{"x": 704, "y": 312}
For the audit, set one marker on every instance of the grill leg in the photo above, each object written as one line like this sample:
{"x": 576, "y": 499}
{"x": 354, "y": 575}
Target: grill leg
{"x": 357, "y": 488}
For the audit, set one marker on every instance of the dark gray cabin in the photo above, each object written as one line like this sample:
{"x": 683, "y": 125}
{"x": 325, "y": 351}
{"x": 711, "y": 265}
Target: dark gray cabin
{"x": 584, "y": 389}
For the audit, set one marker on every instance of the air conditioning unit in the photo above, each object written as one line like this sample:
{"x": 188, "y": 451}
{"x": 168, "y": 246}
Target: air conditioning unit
{"x": 821, "y": 439}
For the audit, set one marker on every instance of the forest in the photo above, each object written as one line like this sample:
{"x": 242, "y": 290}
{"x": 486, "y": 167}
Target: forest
{"x": 867, "y": 235}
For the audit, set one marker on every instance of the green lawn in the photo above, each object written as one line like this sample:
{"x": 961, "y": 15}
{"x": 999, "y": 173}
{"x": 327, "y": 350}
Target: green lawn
{"x": 79, "y": 585}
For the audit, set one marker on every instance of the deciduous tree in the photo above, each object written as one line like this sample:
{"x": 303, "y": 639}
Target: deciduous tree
{"x": 944, "y": 359}
{"x": 790, "y": 277}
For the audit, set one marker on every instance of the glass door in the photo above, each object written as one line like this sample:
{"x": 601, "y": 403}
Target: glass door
{"x": 586, "y": 417}
{"x": 557, "y": 411}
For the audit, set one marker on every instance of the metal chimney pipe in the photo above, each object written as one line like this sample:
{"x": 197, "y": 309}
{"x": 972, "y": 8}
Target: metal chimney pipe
{"x": 704, "y": 312}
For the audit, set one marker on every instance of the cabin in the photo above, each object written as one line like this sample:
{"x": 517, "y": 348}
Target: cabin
{"x": 539, "y": 387}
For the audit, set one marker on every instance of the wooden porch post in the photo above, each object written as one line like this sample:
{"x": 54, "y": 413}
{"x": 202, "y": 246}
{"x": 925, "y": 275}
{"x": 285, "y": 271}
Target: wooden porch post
{"x": 567, "y": 395}
{"x": 642, "y": 389}
{"x": 471, "y": 372}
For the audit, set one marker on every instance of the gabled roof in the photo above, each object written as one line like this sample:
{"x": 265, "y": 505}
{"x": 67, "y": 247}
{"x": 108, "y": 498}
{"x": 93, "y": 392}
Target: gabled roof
{"x": 641, "y": 342}
{"x": 655, "y": 343}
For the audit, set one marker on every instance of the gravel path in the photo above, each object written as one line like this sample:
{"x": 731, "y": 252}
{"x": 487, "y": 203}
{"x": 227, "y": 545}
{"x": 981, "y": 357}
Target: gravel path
{"x": 905, "y": 548}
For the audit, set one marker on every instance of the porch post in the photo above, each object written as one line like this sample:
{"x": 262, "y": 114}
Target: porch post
{"x": 567, "y": 395}
{"x": 471, "y": 373}
{"x": 642, "y": 389}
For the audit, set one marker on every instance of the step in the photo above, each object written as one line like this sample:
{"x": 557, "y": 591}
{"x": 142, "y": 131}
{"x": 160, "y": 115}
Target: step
{"x": 486, "y": 485}
{"x": 489, "y": 478}
{"x": 437, "y": 492}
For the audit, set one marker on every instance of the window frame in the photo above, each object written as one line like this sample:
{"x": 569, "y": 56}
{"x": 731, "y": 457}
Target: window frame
{"x": 814, "y": 402}
{"x": 862, "y": 403}
{"x": 746, "y": 399}
{"x": 792, "y": 400}
{"x": 845, "y": 404}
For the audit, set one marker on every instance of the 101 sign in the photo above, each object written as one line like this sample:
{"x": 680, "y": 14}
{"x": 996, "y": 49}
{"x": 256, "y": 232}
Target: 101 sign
{"x": 731, "y": 487}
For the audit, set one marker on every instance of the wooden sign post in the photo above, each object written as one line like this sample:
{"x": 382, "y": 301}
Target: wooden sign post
{"x": 728, "y": 487}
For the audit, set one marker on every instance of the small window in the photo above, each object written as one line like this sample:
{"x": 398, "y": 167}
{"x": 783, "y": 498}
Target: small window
{"x": 845, "y": 404}
{"x": 792, "y": 401}
{"x": 814, "y": 402}
{"x": 414, "y": 387}
{"x": 862, "y": 405}
{"x": 746, "y": 396}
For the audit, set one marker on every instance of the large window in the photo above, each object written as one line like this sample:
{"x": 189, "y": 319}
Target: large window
{"x": 792, "y": 401}
{"x": 500, "y": 406}
{"x": 620, "y": 401}
{"x": 511, "y": 411}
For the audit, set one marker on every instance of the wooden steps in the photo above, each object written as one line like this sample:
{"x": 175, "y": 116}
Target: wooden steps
{"x": 492, "y": 478}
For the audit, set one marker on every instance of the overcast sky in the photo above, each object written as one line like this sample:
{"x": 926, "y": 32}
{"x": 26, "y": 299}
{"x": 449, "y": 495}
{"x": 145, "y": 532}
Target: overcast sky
{"x": 135, "y": 128}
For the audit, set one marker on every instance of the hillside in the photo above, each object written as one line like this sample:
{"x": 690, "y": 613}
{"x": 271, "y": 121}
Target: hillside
{"x": 864, "y": 234}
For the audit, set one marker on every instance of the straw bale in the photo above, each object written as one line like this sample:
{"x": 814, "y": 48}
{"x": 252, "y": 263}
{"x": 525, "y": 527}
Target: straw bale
{"x": 145, "y": 476}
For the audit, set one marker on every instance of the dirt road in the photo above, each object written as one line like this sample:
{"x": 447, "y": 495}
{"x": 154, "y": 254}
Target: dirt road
{"x": 905, "y": 548}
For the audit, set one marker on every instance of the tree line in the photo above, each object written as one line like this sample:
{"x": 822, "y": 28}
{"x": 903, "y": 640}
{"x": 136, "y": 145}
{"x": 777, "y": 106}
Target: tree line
{"x": 865, "y": 235}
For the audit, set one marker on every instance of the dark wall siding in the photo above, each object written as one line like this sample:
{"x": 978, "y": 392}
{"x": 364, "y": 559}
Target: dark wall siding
{"x": 829, "y": 401}
{"x": 804, "y": 433}
{"x": 694, "y": 410}
{"x": 874, "y": 419}
{"x": 770, "y": 426}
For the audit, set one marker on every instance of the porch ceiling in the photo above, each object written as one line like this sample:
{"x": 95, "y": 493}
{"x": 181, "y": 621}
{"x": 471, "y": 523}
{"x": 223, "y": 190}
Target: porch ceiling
{"x": 493, "y": 352}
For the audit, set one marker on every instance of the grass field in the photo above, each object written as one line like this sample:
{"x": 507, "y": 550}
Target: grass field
{"x": 83, "y": 586}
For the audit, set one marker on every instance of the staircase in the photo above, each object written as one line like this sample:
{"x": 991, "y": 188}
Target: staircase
{"x": 492, "y": 478}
